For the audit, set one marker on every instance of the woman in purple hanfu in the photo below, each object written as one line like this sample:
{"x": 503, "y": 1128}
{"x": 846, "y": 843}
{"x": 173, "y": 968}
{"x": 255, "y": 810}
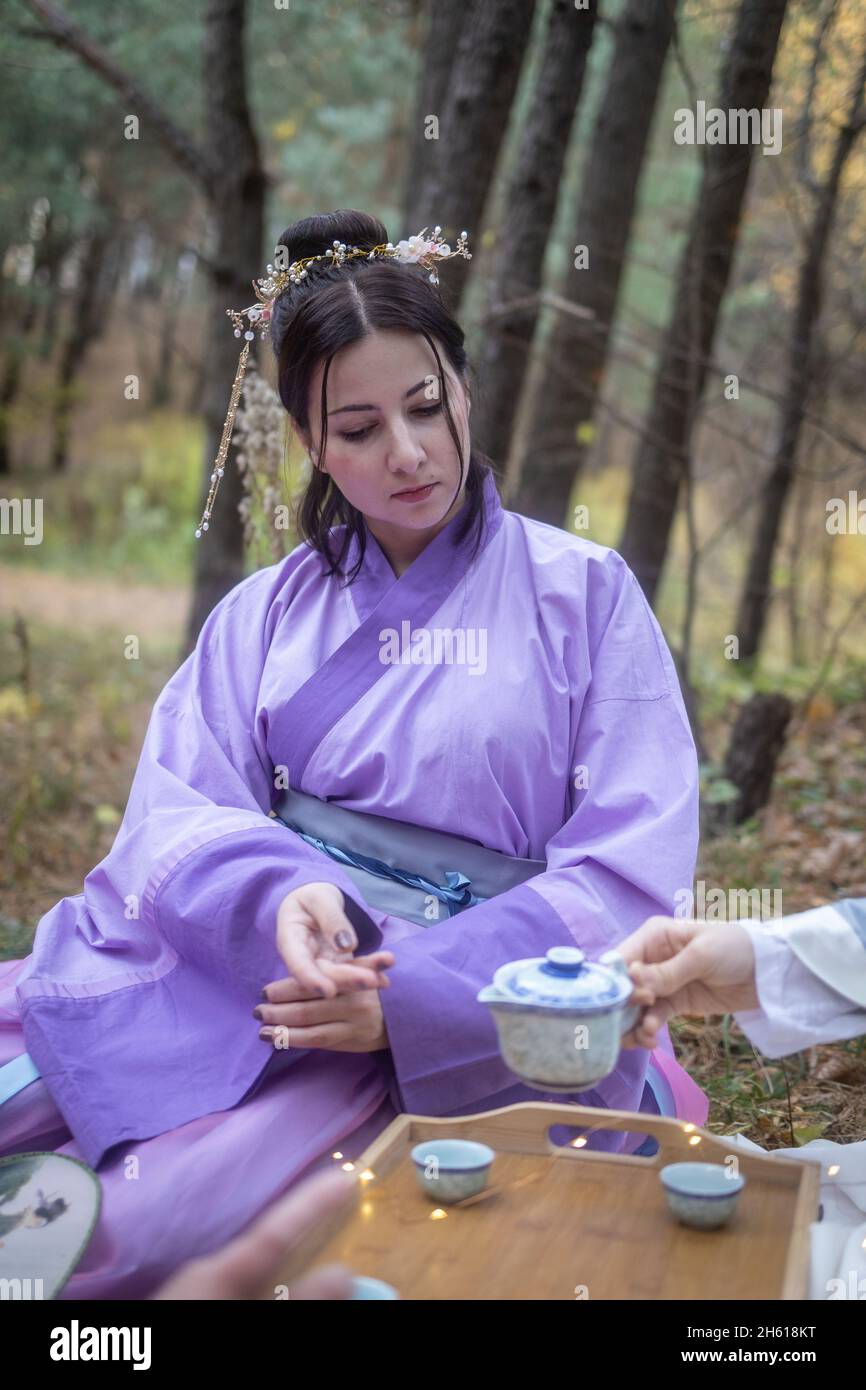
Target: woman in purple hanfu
{"x": 458, "y": 668}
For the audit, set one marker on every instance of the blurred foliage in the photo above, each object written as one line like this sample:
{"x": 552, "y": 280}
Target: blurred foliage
{"x": 72, "y": 714}
{"x": 129, "y": 516}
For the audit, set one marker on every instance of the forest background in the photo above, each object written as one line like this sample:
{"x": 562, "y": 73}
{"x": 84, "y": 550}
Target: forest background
{"x": 668, "y": 341}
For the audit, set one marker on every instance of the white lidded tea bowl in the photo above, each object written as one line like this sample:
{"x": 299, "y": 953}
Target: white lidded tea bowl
{"x": 560, "y": 1017}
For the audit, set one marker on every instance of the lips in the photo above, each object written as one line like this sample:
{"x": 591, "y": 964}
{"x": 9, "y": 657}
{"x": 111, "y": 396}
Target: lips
{"x": 409, "y": 491}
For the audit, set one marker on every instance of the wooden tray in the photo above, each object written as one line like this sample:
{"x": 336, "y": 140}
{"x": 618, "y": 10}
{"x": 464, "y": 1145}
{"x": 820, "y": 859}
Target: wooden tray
{"x": 558, "y": 1222}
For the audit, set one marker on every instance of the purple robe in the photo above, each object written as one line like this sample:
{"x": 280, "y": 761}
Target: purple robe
{"x": 560, "y": 736}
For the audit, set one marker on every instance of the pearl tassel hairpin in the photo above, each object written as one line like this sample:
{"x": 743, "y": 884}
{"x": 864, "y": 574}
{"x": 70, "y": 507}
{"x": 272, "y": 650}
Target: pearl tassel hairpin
{"x": 219, "y": 465}
{"x": 419, "y": 250}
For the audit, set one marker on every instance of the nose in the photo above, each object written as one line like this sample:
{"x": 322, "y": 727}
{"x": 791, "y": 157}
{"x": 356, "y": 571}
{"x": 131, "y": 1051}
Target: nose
{"x": 405, "y": 453}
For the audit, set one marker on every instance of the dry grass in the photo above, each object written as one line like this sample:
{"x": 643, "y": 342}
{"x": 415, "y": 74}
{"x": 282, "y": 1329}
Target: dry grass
{"x": 811, "y": 842}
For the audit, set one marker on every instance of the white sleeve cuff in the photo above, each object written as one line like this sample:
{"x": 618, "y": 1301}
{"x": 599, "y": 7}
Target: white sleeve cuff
{"x": 797, "y": 1009}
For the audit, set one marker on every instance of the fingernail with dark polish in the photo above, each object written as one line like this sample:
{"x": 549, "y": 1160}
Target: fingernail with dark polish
{"x": 257, "y": 1013}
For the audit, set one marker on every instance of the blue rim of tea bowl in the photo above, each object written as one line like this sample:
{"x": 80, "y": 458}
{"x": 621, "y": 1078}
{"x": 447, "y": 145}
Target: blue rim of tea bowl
{"x": 453, "y": 1155}
{"x": 708, "y": 1181}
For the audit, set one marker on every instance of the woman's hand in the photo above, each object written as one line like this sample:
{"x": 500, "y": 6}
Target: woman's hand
{"x": 350, "y": 1022}
{"x": 332, "y": 1001}
{"x": 688, "y": 967}
{"x": 316, "y": 940}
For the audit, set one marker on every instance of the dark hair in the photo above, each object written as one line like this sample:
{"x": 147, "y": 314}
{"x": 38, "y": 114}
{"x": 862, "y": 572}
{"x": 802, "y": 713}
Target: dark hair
{"x": 336, "y": 306}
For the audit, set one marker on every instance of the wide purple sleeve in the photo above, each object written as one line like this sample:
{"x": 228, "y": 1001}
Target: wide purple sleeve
{"x": 211, "y": 866}
{"x": 625, "y": 850}
{"x": 137, "y": 999}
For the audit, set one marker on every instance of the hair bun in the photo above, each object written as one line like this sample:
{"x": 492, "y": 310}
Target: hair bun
{"x": 312, "y": 236}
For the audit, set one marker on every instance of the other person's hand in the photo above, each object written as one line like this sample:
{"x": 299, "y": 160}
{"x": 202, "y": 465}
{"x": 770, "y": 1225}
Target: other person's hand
{"x": 688, "y": 967}
{"x": 251, "y": 1265}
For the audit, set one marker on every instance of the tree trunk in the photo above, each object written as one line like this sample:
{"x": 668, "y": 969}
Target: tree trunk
{"x": 227, "y": 167}
{"x": 44, "y": 261}
{"x": 705, "y": 267}
{"x": 529, "y": 210}
{"x": 564, "y": 394}
{"x": 198, "y": 381}
{"x": 453, "y": 186}
{"x": 756, "y": 742}
{"x": 237, "y": 209}
{"x": 755, "y": 599}
{"x": 47, "y": 323}
{"x": 170, "y": 309}
{"x": 11, "y": 380}
{"x": 444, "y": 23}
{"x": 87, "y": 307}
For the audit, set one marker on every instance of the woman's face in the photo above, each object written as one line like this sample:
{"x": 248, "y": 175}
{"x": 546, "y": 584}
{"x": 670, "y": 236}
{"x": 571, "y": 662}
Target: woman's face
{"x": 388, "y": 432}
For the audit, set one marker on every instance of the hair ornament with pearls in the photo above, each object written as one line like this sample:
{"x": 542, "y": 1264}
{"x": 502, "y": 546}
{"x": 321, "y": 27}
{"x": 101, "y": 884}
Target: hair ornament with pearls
{"x": 419, "y": 249}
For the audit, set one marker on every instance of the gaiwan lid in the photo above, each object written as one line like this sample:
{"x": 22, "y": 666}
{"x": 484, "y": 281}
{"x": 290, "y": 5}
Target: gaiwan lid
{"x": 563, "y": 979}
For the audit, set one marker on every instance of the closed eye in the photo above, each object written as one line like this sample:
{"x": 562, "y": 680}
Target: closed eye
{"x": 368, "y": 429}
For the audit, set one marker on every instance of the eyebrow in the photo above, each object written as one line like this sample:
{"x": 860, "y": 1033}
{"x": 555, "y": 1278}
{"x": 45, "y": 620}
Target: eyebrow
{"x": 411, "y": 392}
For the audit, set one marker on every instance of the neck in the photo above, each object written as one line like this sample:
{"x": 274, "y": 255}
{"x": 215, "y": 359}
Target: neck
{"x": 402, "y": 546}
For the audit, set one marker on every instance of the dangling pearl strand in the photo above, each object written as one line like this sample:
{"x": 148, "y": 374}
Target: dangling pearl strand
{"x": 219, "y": 465}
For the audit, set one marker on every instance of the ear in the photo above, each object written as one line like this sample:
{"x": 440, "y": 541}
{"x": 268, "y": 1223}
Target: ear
{"x": 306, "y": 440}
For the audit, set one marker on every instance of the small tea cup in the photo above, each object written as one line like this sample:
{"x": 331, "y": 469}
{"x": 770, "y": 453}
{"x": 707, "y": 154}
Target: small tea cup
{"x": 449, "y": 1170}
{"x": 364, "y": 1286}
{"x": 703, "y": 1195}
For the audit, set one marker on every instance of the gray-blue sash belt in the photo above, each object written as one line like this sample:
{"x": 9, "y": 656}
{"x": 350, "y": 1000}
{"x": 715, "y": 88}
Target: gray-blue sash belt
{"x": 405, "y": 870}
